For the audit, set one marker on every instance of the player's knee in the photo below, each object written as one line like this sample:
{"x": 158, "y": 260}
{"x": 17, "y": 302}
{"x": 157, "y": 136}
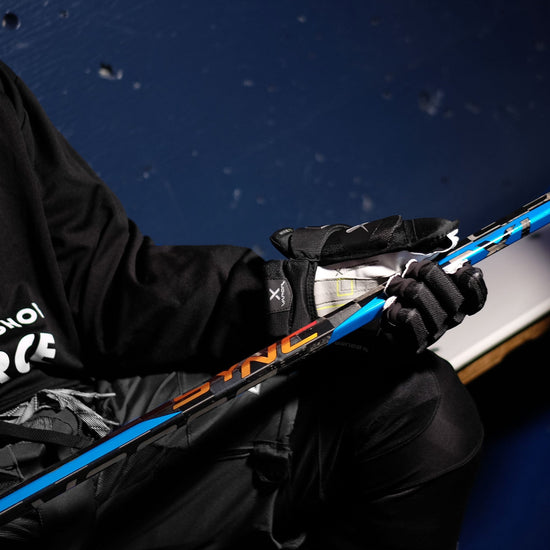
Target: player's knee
{"x": 418, "y": 428}
{"x": 456, "y": 428}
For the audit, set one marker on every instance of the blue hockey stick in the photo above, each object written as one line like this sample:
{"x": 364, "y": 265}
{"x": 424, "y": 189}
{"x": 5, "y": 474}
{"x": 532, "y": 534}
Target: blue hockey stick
{"x": 322, "y": 332}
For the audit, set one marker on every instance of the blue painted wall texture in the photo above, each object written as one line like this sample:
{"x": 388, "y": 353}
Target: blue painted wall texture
{"x": 221, "y": 121}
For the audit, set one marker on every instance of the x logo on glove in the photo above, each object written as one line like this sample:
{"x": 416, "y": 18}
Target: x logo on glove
{"x": 275, "y": 294}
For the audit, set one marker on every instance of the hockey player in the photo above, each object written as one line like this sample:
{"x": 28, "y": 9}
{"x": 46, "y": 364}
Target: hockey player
{"x": 369, "y": 444}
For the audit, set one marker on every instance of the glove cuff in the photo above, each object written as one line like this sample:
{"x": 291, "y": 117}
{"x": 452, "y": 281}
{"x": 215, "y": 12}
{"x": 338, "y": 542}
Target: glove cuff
{"x": 289, "y": 294}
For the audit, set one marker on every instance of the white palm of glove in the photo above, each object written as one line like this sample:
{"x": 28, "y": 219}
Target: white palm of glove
{"x": 338, "y": 284}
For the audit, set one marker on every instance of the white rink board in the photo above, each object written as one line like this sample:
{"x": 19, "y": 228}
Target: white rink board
{"x": 518, "y": 280}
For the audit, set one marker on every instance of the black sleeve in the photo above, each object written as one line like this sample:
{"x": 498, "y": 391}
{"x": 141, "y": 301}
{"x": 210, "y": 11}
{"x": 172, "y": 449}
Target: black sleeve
{"x": 131, "y": 305}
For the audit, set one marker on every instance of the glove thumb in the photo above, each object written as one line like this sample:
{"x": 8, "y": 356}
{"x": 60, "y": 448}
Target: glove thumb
{"x": 337, "y": 243}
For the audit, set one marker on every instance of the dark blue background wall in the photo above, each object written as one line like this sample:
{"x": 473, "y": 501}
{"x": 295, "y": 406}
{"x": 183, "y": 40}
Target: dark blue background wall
{"x": 221, "y": 121}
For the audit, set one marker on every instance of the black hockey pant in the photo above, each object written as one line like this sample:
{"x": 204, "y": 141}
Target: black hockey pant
{"x": 348, "y": 454}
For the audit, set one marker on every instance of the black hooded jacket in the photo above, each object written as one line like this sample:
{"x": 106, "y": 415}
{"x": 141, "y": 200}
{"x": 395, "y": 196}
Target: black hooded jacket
{"x": 83, "y": 293}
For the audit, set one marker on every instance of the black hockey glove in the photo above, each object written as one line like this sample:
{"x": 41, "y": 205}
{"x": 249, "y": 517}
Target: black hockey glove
{"x": 330, "y": 265}
{"x": 425, "y": 302}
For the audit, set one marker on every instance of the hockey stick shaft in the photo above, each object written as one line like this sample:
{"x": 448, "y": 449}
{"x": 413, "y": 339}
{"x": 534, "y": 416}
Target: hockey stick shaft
{"x": 322, "y": 332}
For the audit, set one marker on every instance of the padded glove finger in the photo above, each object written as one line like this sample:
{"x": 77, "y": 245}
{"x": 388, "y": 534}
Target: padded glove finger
{"x": 406, "y": 327}
{"x": 416, "y": 305}
{"x": 461, "y": 293}
{"x": 469, "y": 280}
{"x": 441, "y": 286}
{"x": 428, "y": 301}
